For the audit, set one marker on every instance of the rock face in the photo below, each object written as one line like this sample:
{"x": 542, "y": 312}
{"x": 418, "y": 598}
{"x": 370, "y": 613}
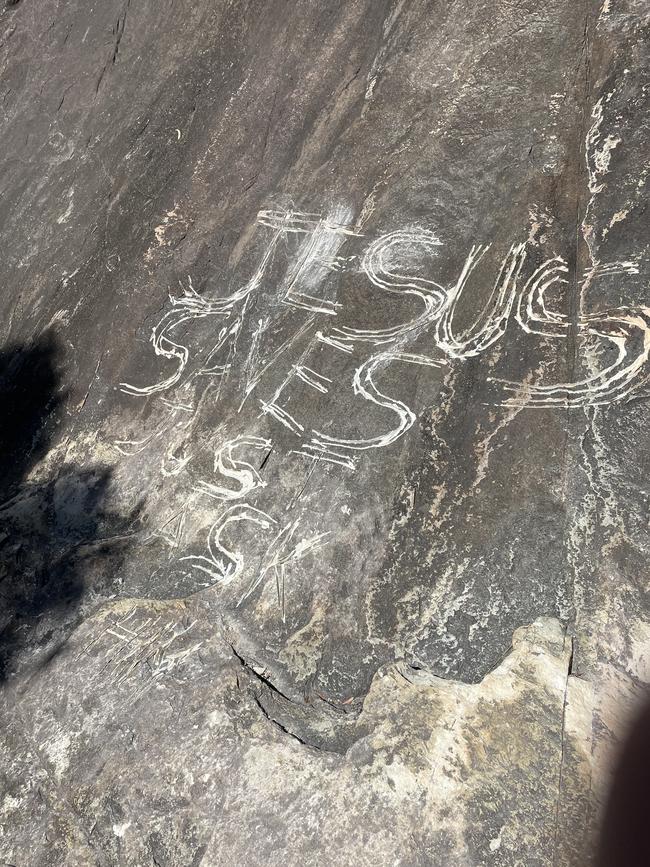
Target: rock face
{"x": 323, "y": 446}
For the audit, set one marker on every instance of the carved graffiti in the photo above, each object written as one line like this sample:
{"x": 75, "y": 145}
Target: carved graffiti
{"x": 301, "y": 326}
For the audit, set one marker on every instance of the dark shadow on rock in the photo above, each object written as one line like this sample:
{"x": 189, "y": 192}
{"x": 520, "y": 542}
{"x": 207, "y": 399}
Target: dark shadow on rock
{"x": 60, "y": 542}
{"x": 625, "y": 833}
{"x": 31, "y": 402}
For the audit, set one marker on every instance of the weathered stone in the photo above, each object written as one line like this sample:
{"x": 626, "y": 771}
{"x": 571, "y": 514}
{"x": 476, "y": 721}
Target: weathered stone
{"x": 324, "y": 374}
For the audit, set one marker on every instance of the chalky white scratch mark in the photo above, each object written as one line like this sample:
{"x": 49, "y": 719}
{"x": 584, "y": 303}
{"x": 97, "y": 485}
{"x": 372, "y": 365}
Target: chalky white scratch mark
{"x": 172, "y": 464}
{"x": 280, "y": 413}
{"x": 278, "y": 556}
{"x": 190, "y": 307}
{"x": 300, "y": 491}
{"x": 317, "y": 255}
{"x": 364, "y": 385}
{"x": 626, "y": 329}
{"x": 601, "y": 269}
{"x": 171, "y": 532}
{"x": 241, "y": 471}
{"x": 333, "y": 342}
{"x": 253, "y": 372}
{"x": 491, "y": 323}
{"x": 532, "y": 313}
{"x": 312, "y": 378}
{"x": 146, "y": 647}
{"x": 376, "y": 265}
{"x": 299, "y": 222}
{"x": 318, "y": 452}
{"x": 222, "y": 565}
{"x": 128, "y": 448}
{"x": 180, "y": 407}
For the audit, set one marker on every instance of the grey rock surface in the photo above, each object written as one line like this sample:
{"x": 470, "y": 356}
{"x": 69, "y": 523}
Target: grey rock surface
{"x": 323, "y": 445}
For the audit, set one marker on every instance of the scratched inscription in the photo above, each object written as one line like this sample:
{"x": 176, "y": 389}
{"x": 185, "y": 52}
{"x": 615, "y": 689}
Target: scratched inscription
{"x": 307, "y": 313}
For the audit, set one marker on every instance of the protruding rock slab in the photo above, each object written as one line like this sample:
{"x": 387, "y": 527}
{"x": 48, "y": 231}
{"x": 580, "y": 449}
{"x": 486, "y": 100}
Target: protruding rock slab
{"x": 171, "y": 731}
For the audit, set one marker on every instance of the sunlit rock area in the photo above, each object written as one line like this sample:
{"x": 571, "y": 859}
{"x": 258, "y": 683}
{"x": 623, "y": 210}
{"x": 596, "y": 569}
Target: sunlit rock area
{"x": 324, "y": 411}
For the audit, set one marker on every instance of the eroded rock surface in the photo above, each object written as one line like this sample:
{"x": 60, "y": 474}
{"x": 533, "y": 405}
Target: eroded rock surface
{"x": 433, "y": 768}
{"x": 323, "y": 521}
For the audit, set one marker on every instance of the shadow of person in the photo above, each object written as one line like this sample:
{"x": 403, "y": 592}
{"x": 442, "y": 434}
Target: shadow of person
{"x": 59, "y": 538}
{"x": 625, "y": 832}
{"x": 31, "y": 403}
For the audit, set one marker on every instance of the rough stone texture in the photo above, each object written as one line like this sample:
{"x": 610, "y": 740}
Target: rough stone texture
{"x": 323, "y": 463}
{"x": 433, "y": 766}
